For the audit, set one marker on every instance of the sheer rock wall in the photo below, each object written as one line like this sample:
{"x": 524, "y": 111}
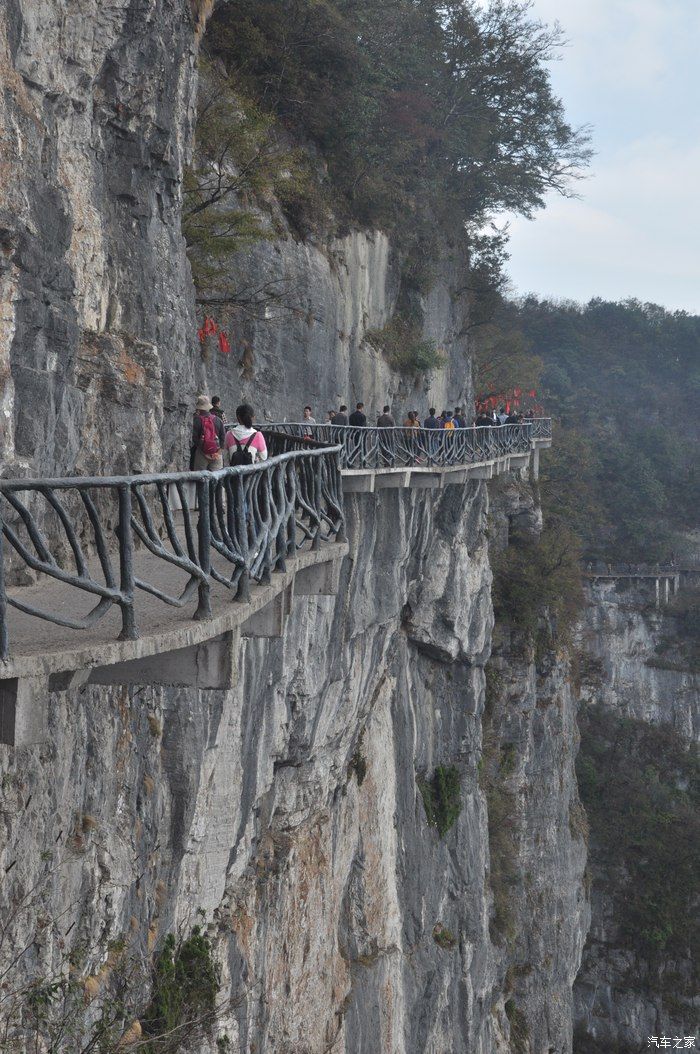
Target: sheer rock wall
{"x": 342, "y": 920}
{"x": 323, "y": 886}
{"x": 310, "y": 347}
{"x": 96, "y": 306}
{"x": 620, "y": 635}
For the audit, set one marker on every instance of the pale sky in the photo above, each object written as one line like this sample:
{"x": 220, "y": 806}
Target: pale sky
{"x": 631, "y": 70}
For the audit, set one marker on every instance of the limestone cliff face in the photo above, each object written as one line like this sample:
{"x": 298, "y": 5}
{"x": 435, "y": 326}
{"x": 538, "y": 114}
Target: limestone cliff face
{"x": 309, "y": 346}
{"x": 621, "y": 635}
{"x": 289, "y": 811}
{"x": 537, "y": 826}
{"x": 96, "y": 308}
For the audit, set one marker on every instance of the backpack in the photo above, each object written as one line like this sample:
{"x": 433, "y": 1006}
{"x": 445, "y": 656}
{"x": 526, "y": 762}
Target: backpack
{"x": 242, "y": 456}
{"x": 449, "y": 424}
{"x": 209, "y": 441}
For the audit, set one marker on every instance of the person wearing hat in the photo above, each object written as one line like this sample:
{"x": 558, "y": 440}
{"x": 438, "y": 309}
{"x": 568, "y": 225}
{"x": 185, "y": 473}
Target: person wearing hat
{"x": 208, "y": 437}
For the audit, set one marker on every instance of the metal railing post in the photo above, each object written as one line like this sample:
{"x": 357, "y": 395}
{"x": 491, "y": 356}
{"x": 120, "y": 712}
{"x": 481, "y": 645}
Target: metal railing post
{"x": 4, "y": 636}
{"x": 318, "y": 497}
{"x": 241, "y": 513}
{"x": 126, "y": 565}
{"x": 204, "y": 496}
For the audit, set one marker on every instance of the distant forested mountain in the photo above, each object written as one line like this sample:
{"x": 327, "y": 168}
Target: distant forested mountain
{"x": 622, "y": 381}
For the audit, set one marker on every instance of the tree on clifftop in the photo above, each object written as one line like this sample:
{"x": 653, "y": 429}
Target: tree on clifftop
{"x": 412, "y": 113}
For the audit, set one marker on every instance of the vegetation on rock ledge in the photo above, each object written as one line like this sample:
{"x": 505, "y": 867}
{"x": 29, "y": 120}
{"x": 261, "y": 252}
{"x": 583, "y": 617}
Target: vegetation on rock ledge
{"x": 441, "y": 798}
{"x": 402, "y": 342}
{"x": 539, "y": 579}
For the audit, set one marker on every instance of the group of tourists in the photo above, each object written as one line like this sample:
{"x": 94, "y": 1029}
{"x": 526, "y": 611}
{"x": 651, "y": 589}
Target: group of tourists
{"x": 447, "y": 419}
{"x": 217, "y": 445}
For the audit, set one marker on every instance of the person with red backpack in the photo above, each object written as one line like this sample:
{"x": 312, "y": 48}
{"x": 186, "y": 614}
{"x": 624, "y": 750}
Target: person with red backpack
{"x": 208, "y": 437}
{"x": 244, "y": 444}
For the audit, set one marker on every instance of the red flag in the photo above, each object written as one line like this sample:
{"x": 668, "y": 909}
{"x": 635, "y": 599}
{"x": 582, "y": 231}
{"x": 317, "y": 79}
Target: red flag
{"x": 224, "y": 346}
{"x": 532, "y": 393}
{"x": 517, "y": 392}
{"x": 210, "y": 327}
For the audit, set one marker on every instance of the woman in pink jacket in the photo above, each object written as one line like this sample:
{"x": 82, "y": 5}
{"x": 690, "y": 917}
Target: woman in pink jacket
{"x": 244, "y": 444}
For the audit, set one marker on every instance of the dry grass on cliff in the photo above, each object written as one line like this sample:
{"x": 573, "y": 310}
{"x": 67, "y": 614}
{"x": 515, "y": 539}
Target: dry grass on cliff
{"x": 201, "y": 10}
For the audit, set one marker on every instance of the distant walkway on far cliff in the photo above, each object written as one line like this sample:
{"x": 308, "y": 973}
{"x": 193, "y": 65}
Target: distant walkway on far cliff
{"x": 665, "y": 581}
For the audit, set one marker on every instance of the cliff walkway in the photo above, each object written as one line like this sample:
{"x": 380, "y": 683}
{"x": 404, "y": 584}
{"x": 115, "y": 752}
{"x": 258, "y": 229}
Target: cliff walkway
{"x": 665, "y": 582}
{"x": 101, "y": 577}
{"x": 378, "y": 458}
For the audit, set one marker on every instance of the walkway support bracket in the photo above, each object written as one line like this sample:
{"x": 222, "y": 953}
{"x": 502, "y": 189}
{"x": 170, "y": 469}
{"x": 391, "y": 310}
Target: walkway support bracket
{"x": 23, "y": 710}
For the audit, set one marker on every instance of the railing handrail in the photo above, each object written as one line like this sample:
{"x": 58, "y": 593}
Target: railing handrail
{"x": 188, "y": 476}
{"x": 227, "y": 528}
{"x": 405, "y": 428}
{"x": 373, "y": 447}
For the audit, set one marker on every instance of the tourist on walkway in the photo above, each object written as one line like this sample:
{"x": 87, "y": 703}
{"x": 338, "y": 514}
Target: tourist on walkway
{"x": 358, "y": 418}
{"x": 458, "y": 418}
{"x": 216, "y": 408}
{"x": 385, "y": 419}
{"x": 341, "y": 418}
{"x": 411, "y": 440}
{"x": 502, "y": 416}
{"x": 244, "y": 444}
{"x": 208, "y": 437}
{"x": 309, "y": 419}
{"x": 484, "y": 420}
{"x": 447, "y": 421}
{"x": 431, "y": 420}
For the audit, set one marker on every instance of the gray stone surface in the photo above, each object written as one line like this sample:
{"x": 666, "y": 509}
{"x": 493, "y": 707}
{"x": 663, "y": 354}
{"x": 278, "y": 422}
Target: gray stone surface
{"x": 323, "y": 894}
{"x": 96, "y": 308}
{"x": 620, "y": 633}
{"x": 313, "y": 351}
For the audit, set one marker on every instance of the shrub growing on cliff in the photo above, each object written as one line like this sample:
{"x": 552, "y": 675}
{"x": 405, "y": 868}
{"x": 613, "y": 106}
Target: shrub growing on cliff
{"x": 185, "y": 987}
{"x": 537, "y": 578}
{"x": 94, "y": 998}
{"x": 401, "y": 341}
{"x": 441, "y": 798}
{"x": 239, "y": 164}
{"x": 444, "y": 937}
{"x": 519, "y": 1032}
